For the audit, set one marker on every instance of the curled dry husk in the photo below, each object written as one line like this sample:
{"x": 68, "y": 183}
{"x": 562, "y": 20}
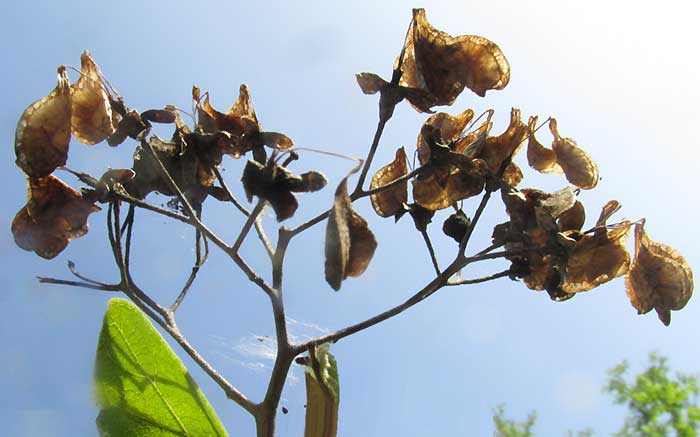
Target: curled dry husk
{"x": 91, "y": 115}
{"x": 275, "y": 184}
{"x": 659, "y": 278}
{"x": 390, "y": 201}
{"x": 498, "y": 152}
{"x": 565, "y": 156}
{"x": 539, "y": 157}
{"x": 449, "y": 127}
{"x": 43, "y": 131}
{"x": 448, "y": 178}
{"x": 240, "y": 121}
{"x": 442, "y": 65}
{"x": 350, "y": 244}
{"x": 596, "y": 259}
{"x": 54, "y": 214}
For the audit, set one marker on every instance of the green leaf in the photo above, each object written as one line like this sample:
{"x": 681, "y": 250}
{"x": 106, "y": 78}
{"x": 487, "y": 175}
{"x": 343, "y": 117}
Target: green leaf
{"x": 142, "y": 387}
{"x": 322, "y": 394}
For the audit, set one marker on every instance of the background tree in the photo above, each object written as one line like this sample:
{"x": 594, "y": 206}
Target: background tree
{"x": 658, "y": 404}
{"x": 515, "y": 298}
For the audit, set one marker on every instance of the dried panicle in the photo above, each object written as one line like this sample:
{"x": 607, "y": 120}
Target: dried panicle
{"x": 91, "y": 117}
{"x": 578, "y": 167}
{"x": 43, "y": 131}
{"x": 390, "y": 201}
{"x": 443, "y": 66}
{"x": 444, "y": 125}
{"x": 659, "y": 278}
{"x": 350, "y": 244}
{"x": 540, "y": 158}
{"x": 54, "y": 214}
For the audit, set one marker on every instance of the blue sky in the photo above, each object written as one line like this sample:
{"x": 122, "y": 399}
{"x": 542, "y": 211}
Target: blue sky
{"x": 618, "y": 76}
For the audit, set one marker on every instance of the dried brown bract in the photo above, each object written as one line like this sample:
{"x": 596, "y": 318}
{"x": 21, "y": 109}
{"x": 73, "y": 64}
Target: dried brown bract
{"x": 43, "y": 131}
{"x": 659, "y": 278}
{"x": 390, "y": 201}
{"x": 473, "y": 141}
{"x": 443, "y": 66}
{"x": 91, "y": 117}
{"x": 130, "y": 125}
{"x": 240, "y": 121}
{"x": 573, "y": 218}
{"x": 539, "y": 157}
{"x": 498, "y": 152}
{"x": 275, "y": 184}
{"x": 579, "y": 168}
{"x": 350, "y": 244}
{"x": 54, "y": 214}
{"x": 447, "y": 178}
{"x": 448, "y": 127}
{"x": 596, "y": 259}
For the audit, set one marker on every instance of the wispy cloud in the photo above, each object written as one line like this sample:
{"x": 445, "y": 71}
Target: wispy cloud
{"x": 257, "y": 353}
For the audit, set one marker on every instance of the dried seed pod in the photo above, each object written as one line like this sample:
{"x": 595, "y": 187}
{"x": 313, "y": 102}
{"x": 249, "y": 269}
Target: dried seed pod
{"x": 444, "y": 65}
{"x": 389, "y": 202}
{"x": 350, "y": 244}
{"x": 43, "y": 131}
{"x": 578, "y": 167}
{"x": 240, "y": 121}
{"x": 456, "y": 226}
{"x": 596, "y": 259}
{"x": 448, "y": 127}
{"x": 498, "y": 151}
{"x": 572, "y": 219}
{"x": 275, "y": 184}
{"x": 659, "y": 278}
{"x": 370, "y": 83}
{"x": 472, "y": 143}
{"x": 92, "y": 120}
{"x": 166, "y": 115}
{"x": 54, "y": 214}
{"x": 539, "y": 157}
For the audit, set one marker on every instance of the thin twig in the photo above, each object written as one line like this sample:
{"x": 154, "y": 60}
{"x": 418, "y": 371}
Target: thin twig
{"x": 228, "y": 192}
{"x": 194, "y": 221}
{"x": 245, "y": 229}
{"x": 477, "y": 215}
{"x": 370, "y": 156}
{"x": 502, "y": 274}
{"x": 358, "y": 195}
{"x": 71, "y": 267}
{"x": 231, "y": 392}
{"x": 421, "y": 295}
{"x": 93, "y": 286}
{"x": 429, "y": 245}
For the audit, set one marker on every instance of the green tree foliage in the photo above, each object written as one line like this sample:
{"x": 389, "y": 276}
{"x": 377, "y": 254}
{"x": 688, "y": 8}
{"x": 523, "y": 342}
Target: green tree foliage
{"x": 659, "y": 404}
{"x": 513, "y": 428}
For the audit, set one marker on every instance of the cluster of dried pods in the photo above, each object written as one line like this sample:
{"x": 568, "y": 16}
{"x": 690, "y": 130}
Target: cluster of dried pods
{"x": 549, "y": 250}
